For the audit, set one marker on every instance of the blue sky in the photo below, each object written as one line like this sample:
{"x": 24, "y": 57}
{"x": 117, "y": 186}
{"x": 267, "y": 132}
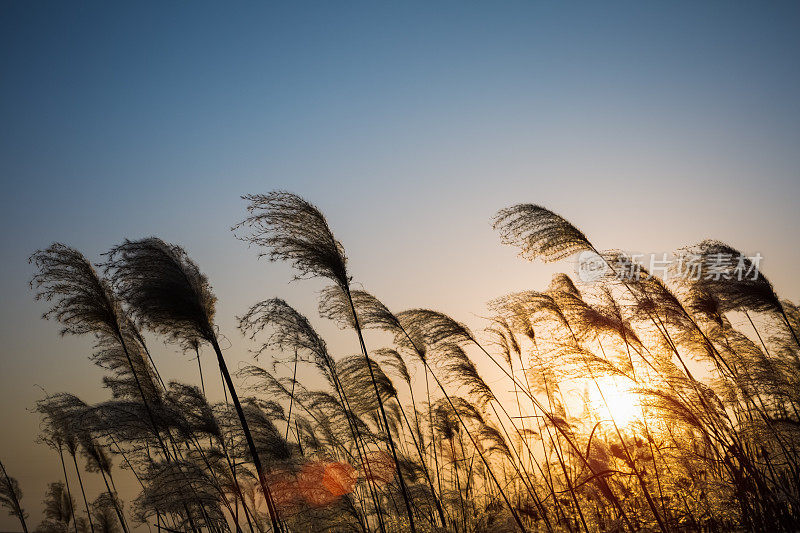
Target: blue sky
{"x": 650, "y": 125}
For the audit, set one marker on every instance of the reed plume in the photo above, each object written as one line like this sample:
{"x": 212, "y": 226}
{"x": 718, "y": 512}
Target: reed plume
{"x": 539, "y": 233}
{"x": 168, "y": 294}
{"x": 11, "y": 496}
{"x": 294, "y": 230}
{"x": 636, "y": 403}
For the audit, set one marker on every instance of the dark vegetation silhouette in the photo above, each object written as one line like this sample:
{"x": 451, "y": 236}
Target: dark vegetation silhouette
{"x": 628, "y": 404}
{"x": 11, "y": 496}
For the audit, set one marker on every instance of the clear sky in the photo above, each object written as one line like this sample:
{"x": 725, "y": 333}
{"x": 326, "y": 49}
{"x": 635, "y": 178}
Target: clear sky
{"x": 649, "y": 124}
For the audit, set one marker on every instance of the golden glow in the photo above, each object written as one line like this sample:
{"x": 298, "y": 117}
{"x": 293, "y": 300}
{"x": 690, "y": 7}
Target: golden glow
{"x": 616, "y": 401}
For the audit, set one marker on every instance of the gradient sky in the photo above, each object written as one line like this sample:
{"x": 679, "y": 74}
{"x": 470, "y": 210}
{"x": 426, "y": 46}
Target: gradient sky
{"x": 649, "y": 125}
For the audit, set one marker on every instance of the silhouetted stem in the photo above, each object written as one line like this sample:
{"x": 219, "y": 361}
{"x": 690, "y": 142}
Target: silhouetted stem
{"x": 200, "y": 369}
{"x": 17, "y": 506}
{"x": 114, "y": 501}
{"x": 83, "y": 492}
{"x": 466, "y": 429}
{"x": 248, "y": 436}
{"x": 789, "y": 326}
{"x": 291, "y": 397}
{"x": 66, "y": 484}
{"x": 439, "y": 509}
{"x": 403, "y": 488}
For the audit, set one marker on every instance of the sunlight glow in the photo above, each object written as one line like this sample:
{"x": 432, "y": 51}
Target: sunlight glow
{"x": 620, "y": 403}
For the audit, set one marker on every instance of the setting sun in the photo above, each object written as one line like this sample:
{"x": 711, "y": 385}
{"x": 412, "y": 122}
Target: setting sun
{"x": 616, "y": 401}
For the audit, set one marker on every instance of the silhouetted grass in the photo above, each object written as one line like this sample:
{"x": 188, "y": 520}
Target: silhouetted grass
{"x": 627, "y": 404}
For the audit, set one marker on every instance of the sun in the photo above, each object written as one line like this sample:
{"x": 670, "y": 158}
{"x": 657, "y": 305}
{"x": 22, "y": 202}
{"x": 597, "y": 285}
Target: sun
{"x": 616, "y": 402}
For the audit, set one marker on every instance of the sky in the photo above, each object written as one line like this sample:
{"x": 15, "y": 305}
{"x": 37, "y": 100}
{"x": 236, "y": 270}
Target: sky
{"x": 650, "y": 125}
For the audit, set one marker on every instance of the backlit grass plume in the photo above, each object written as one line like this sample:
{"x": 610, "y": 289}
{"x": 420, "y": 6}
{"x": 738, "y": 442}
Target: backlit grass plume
{"x": 164, "y": 288}
{"x": 168, "y": 294}
{"x": 294, "y": 230}
{"x": 539, "y": 233}
{"x": 11, "y": 497}
{"x": 79, "y": 298}
{"x": 628, "y": 403}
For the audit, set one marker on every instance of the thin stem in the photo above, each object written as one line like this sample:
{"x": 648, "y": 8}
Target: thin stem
{"x": 368, "y": 361}
{"x": 248, "y": 436}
